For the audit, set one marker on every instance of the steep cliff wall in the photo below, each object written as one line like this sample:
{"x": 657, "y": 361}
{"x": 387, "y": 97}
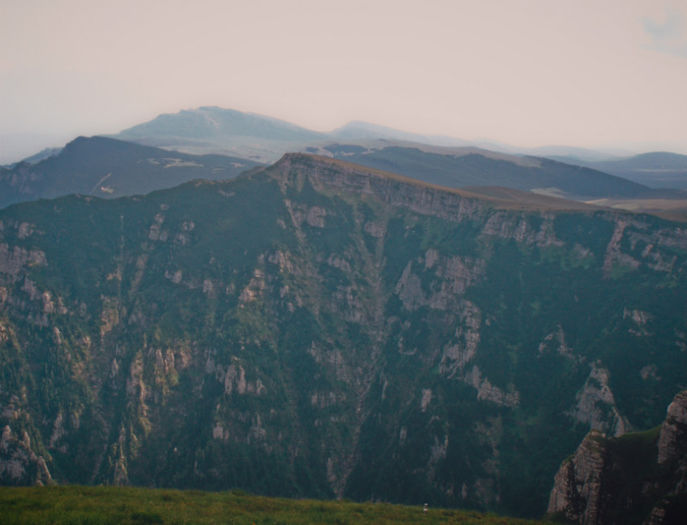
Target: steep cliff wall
{"x": 322, "y": 329}
{"x": 638, "y": 478}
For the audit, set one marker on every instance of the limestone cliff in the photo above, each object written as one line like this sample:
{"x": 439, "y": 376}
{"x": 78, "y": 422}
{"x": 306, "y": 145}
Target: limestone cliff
{"x": 318, "y": 328}
{"x": 638, "y": 478}
{"x": 19, "y": 464}
{"x": 577, "y": 485}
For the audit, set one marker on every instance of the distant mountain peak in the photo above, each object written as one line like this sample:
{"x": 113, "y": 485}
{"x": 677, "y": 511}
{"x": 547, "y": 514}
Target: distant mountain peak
{"x": 208, "y": 122}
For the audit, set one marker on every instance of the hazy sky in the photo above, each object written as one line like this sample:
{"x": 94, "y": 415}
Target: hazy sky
{"x": 600, "y": 74}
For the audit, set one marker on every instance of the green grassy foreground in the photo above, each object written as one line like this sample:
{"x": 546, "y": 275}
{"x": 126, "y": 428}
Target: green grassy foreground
{"x": 127, "y": 505}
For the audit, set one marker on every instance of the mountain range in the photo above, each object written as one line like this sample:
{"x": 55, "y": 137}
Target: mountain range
{"x": 378, "y": 316}
{"x": 265, "y": 139}
{"x": 105, "y": 167}
{"x": 320, "y": 328}
{"x": 254, "y": 139}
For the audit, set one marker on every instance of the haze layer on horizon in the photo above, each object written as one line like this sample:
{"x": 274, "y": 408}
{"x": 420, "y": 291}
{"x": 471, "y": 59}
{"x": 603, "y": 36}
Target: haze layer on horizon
{"x": 532, "y": 73}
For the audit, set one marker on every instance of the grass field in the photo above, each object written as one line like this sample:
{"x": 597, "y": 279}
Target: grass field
{"x": 127, "y": 505}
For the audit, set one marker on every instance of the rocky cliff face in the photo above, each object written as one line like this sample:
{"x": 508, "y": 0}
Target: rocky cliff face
{"x": 19, "y": 464}
{"x": 577, "y": 485}
{"x": 639, "y": 478}
{"x": 322, "y": 329}
{"x": 672, "y": 440}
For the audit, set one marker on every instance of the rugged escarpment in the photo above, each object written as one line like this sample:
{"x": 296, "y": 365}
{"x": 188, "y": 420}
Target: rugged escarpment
{"x": 637, "y": 478}
{"x": 322, "y": 329}
{"x": 577, "y": 484}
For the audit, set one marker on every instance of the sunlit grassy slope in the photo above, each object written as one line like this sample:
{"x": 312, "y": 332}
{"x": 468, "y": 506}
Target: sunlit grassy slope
{"x": 127, "y": 505}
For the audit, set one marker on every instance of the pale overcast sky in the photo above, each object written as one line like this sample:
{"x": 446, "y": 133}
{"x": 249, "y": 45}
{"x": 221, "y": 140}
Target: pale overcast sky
{"x": 597, "y": 74}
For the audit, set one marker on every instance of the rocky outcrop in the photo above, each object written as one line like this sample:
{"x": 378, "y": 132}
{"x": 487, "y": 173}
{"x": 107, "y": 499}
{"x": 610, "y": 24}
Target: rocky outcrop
{"x": 672, "y": 458}
{"x": 577, "y": 486}
{"x": 596, "y": 404}
{"x": 637, "y": 478}
{"x": 672, "y": 441}
{"x": 19, "y": 464}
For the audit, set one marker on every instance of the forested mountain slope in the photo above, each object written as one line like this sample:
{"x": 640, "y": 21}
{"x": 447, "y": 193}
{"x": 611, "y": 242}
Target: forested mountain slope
{"x": 319, "y": 328}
